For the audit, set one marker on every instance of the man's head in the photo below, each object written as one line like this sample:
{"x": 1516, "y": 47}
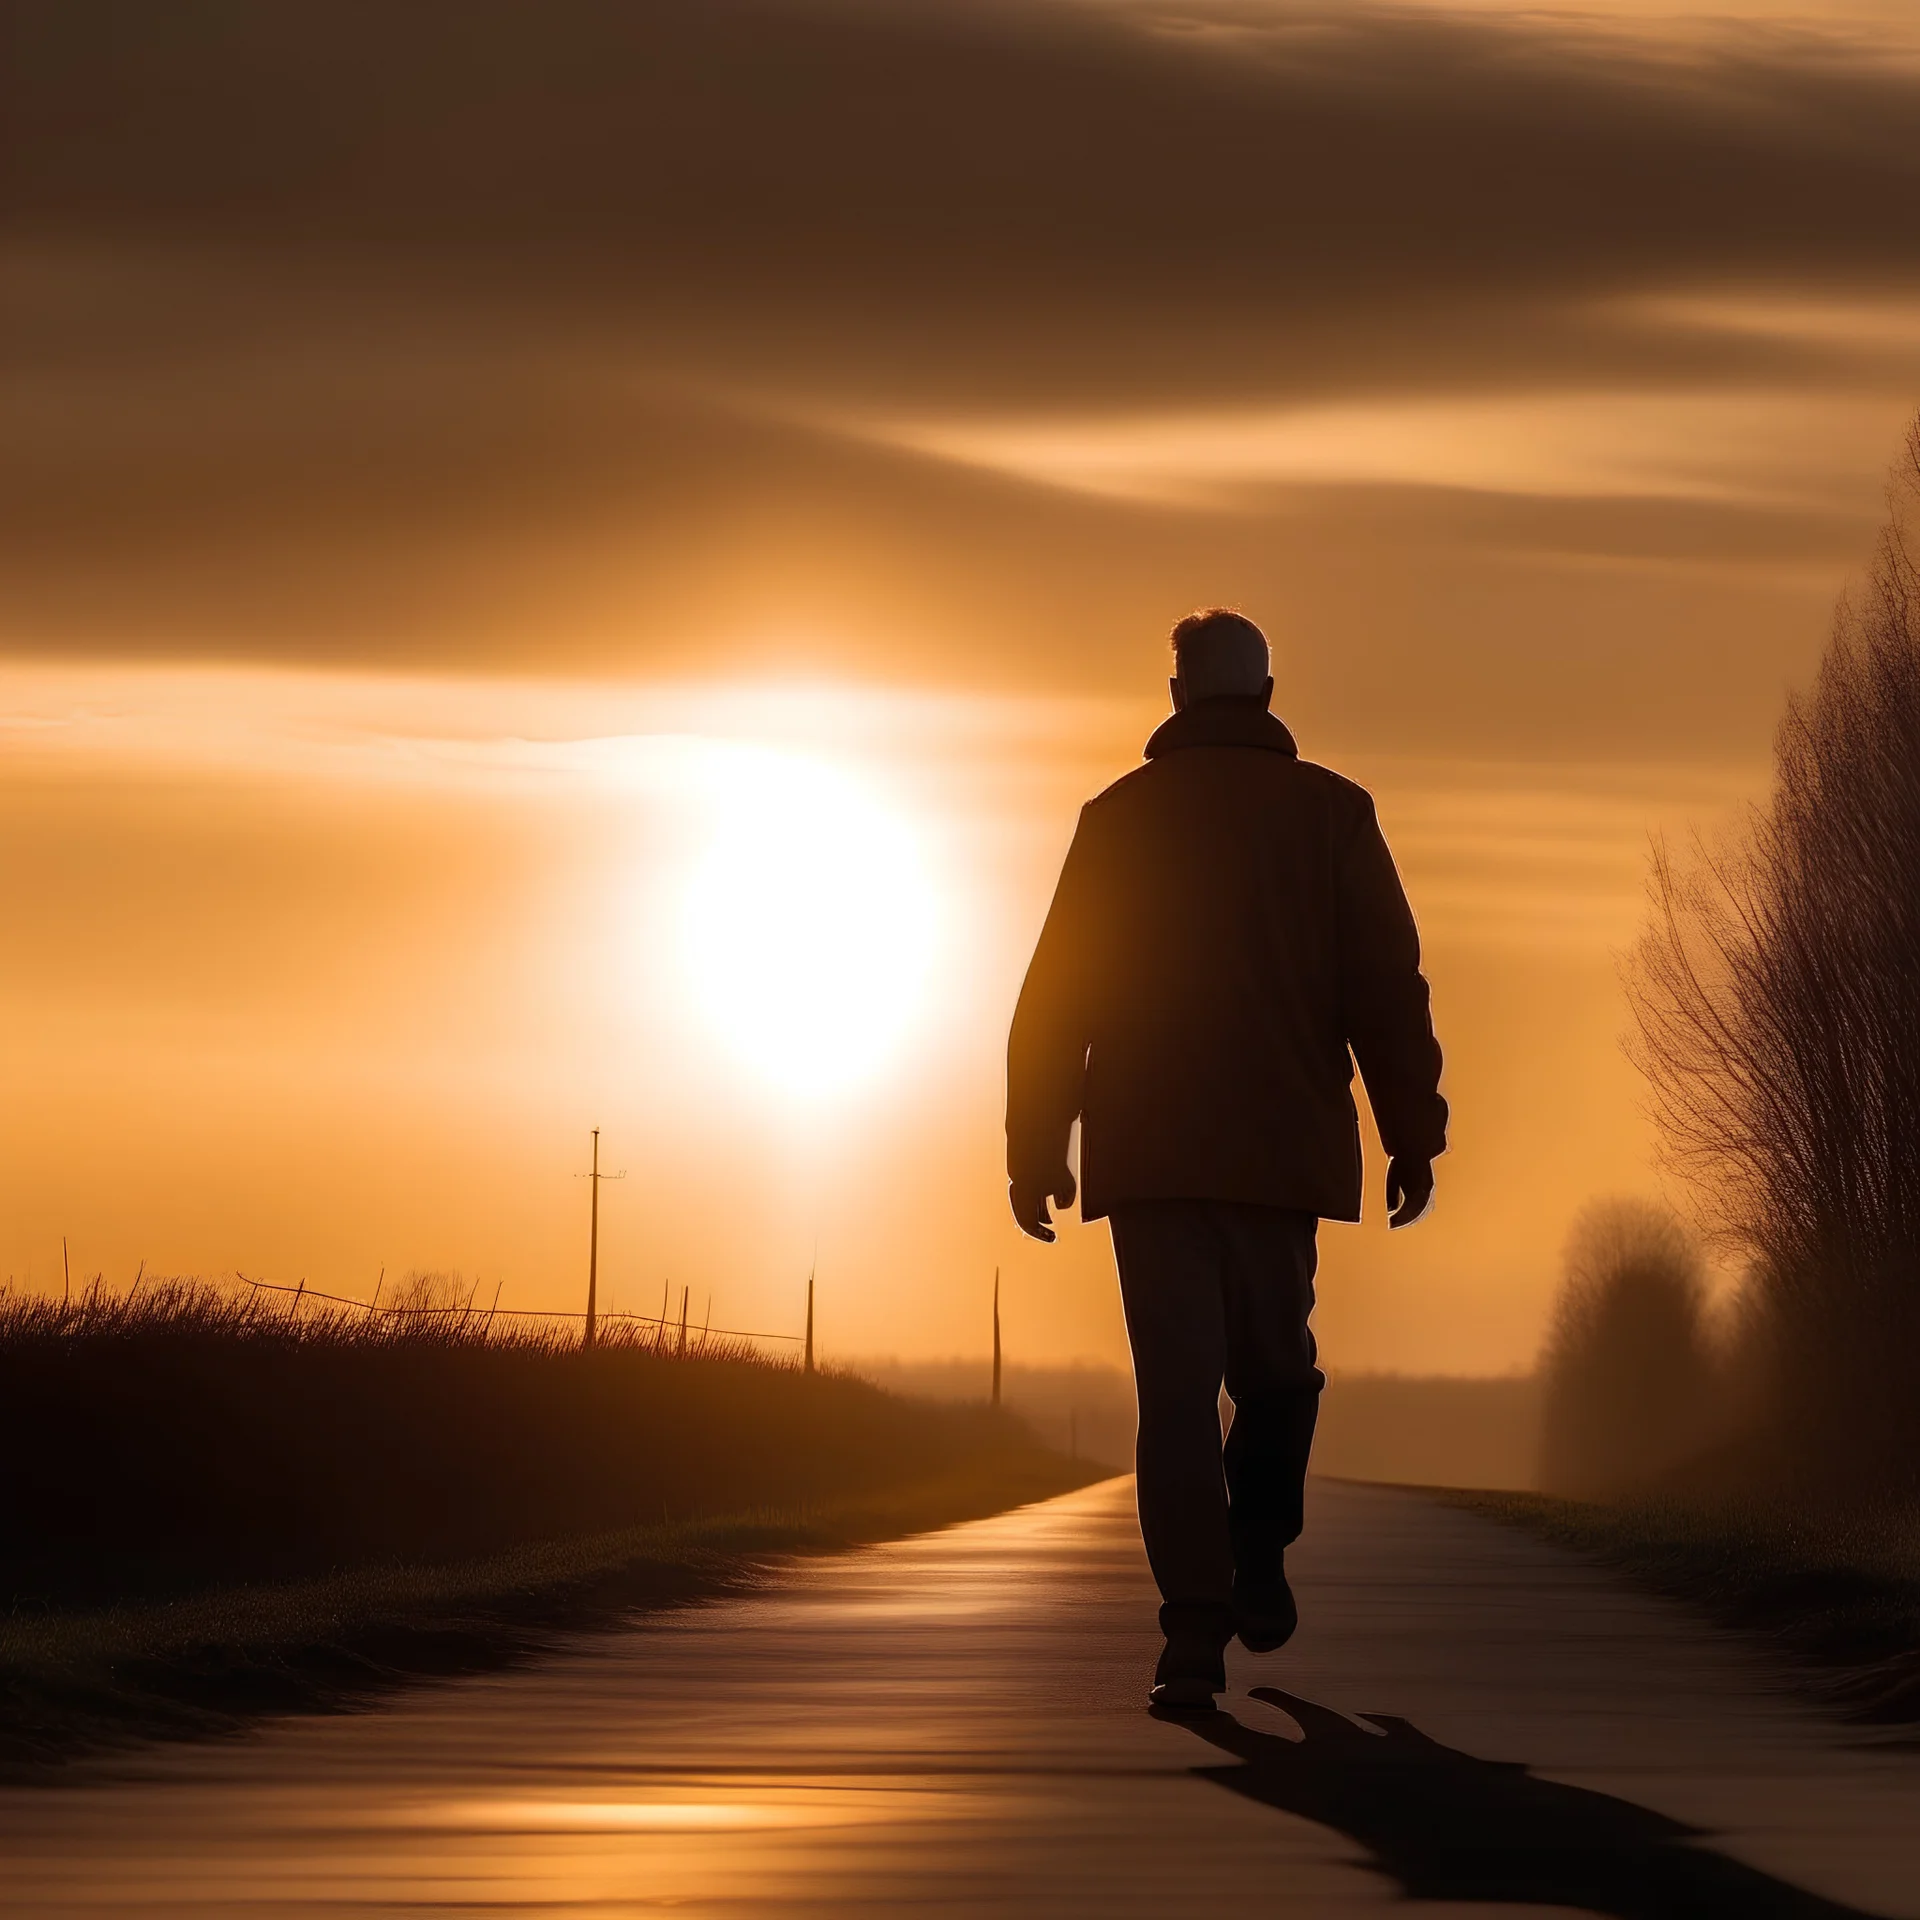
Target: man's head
{"x": 1219, "y": 655}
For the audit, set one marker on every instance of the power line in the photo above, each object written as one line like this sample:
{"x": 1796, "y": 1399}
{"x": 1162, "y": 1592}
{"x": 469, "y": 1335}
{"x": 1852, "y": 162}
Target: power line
{"x": 514, "y": 1313}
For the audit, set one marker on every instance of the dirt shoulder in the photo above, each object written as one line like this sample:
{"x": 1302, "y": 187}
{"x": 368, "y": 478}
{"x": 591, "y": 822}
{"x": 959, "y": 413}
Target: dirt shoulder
{"x": 1837, "y": 1596}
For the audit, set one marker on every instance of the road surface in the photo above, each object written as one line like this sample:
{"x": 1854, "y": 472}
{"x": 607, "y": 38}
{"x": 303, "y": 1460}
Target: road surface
{"x": 955, "y": 1725}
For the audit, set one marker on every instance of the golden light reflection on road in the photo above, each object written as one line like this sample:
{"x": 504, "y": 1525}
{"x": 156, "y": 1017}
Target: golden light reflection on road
{"x": 752, "y": 1805}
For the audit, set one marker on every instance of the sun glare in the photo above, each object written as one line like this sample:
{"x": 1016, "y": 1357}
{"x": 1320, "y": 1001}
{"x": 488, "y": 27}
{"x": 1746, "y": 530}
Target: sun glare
{"x": 809, "y": 925}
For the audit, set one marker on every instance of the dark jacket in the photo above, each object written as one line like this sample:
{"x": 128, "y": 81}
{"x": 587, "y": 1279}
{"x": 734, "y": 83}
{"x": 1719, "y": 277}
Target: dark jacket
{"x": 1228, "y": 936}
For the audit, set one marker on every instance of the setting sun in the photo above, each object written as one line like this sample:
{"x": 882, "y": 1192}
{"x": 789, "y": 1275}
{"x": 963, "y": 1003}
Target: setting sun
{"x": 808, "y": 925}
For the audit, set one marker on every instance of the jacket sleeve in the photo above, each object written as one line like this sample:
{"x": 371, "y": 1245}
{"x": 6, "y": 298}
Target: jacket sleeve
{"x": 1385, "y": 1001}
{"x": 1052, "y": 1026}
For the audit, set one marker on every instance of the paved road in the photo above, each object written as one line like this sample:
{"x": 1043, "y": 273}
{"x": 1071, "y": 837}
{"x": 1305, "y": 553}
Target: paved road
{"x": 954, "y": 1724}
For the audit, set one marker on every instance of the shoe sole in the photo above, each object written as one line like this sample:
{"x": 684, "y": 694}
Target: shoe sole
{"x": 1257, "y": 1642}
{"x": 1175, "y": 1697}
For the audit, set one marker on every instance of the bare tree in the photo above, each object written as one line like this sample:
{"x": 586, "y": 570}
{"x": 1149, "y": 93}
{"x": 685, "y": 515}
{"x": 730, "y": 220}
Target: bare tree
{"x": 1627, "y": 1371}
{"x": 1777, "y": 998}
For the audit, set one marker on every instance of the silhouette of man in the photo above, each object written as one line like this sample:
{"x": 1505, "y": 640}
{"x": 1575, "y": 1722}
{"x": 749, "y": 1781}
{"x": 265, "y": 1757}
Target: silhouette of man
{"x": 1228, "y": 937}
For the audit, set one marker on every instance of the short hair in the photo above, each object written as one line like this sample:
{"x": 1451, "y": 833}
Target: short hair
{"x": 1220, "y": 655}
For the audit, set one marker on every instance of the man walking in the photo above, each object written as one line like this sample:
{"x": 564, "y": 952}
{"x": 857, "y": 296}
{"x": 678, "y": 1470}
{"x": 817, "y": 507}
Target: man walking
{"x": 1228, "y": 937}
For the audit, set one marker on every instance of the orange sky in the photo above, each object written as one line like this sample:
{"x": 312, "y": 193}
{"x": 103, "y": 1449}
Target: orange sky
{"x": 440, "y": 450}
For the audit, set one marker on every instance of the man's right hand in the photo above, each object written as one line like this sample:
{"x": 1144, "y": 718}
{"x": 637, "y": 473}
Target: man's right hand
{"x": 1030, "y": 1201}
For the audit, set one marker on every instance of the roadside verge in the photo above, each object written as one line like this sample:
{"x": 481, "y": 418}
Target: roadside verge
{"x": 82, "y": 1682}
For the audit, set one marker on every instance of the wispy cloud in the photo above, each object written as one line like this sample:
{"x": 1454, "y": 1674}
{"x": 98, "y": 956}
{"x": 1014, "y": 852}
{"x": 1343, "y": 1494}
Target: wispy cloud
{"x": 1772, "y": 449}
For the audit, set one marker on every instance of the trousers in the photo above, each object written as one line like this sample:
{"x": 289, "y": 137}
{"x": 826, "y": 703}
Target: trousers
{"x": 1218, "y": 1293}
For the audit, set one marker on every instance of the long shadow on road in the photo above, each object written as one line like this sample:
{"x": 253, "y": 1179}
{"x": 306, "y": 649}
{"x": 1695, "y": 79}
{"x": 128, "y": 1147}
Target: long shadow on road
{"x": 1448, "y": 1826}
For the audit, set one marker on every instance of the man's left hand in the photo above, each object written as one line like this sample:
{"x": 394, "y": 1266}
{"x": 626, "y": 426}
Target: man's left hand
{"x": 1409, "y": 1189}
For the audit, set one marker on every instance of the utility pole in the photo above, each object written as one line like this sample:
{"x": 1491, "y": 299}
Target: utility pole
{"x": 66, "y": 1276}
{"x": 810, "y": 1273}
{"x": 593, "y": 1238}
{"x": 593, "y": 1235}
{"x": 996, "y": 1336}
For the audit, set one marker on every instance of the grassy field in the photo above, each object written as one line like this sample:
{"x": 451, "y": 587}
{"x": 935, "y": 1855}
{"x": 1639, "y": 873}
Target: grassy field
{"x": 217, "y": 1508}
{"x": 1444, "y": 1431}
{"x": 1838, "y": 1596}
{"x": 1440, "y": 1430}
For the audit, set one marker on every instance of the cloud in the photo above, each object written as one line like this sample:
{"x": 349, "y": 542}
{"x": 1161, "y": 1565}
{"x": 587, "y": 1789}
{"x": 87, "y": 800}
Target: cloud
{"x": 1789, "y": 450}
{"x": 991, "y": 152}
{"x": 931, "y": 341}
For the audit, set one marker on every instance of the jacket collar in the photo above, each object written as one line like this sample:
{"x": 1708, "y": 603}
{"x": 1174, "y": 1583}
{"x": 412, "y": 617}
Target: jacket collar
{"x": 1222, "y": 723}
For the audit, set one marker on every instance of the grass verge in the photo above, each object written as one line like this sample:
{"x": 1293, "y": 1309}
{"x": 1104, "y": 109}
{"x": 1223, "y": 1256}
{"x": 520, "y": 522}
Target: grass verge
{"x": 1837, "y": 1595}
{"x": 75, "y": 1683}
{"x": 196, "y": 1436}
